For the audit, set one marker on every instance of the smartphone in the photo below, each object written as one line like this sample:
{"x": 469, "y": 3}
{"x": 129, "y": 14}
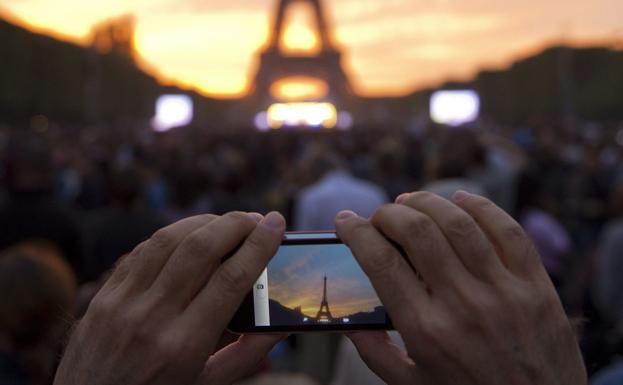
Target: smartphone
{"x": 313, "y": 283}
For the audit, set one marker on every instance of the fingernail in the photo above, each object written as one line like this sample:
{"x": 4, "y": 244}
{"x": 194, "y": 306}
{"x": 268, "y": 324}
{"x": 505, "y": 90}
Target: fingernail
{"x": 401, "y": 198}
{"x": 460, "y": 196}
{"x": 273, "y": 220}
{"x": 256, "y": 216}
{"x": 345, "y": 214}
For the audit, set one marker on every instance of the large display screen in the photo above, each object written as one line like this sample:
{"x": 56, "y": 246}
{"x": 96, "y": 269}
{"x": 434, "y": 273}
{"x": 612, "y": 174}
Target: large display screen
{"x": 454, "y": 107}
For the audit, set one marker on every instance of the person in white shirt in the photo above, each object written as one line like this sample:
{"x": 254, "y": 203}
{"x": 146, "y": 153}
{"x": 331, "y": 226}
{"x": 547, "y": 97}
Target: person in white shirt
{"x": 316, "y": 206}
{"x": 337, "y": 190}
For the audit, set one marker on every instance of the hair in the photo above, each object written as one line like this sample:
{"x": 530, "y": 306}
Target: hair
{"x": 125, "y": 186}
{"x": 318, "y": 160}
{"x": 30, "y": 160}
{"x": 37, "y": 293}
{"x": 458, "y": 154}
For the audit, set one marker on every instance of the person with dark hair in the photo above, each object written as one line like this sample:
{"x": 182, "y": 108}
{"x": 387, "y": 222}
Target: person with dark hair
{"x": 115, "y": 230}
{"x": 549, "y": 236}
{"x": 451, "y": 166}
{"x": 334, "y": 189}
{"x": 30, "y": 211}
{"x": 37, "y": 293}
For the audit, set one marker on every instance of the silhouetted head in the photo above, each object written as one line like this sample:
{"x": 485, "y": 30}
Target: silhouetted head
{"x": 30, "y": 160}
{"x": 458, "y": 155}
{"x": 318, "y": 160}
{"x": 37, "y": 294}
{"x": 125, "y": 187}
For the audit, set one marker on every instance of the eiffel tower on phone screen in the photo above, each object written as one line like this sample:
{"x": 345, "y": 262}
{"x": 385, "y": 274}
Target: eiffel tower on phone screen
{"x": 324, "y": 314}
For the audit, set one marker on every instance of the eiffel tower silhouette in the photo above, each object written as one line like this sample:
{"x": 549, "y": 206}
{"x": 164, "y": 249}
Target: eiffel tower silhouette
{"x": 324, "y": 314}
{"x": 274, "y": 64}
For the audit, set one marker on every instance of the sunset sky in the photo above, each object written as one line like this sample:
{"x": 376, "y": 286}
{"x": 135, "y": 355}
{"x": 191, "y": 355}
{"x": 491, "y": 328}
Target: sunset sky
{"x": 391, "y": 46}
{"x": 296, "y": 276}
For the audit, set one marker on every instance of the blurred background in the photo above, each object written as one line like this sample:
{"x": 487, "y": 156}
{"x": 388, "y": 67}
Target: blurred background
{"x": 117, "y": 118}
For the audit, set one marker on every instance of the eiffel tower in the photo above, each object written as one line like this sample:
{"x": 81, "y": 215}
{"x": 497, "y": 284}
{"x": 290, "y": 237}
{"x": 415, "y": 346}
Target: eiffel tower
{"x": 274, "y": 64}
{"x": 324, "y": 314}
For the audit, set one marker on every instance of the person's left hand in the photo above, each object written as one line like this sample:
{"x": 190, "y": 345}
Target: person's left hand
{"x": 158, "y": 319}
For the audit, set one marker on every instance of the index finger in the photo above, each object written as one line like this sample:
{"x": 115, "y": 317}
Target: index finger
{"x": 513, "y": 245}
{"x": 395, "y": 282}
{"x": 219, "y": 299}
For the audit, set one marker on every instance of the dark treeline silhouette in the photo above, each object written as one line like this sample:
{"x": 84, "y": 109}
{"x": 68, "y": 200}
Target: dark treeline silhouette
{"x": 74, "y": 84}
{"x": 282, "y": 315}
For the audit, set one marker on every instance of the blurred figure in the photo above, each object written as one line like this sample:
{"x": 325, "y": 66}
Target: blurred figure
{"x": 188, "y": 196}
{"x": 588, "y": 194}
{"x": 450, "y": 169}
{"x": 607, "y": 283}
{"x": 549, "y": 236}
{"x": 116, "y": 230}
{"x": 30, "y": 211}
{"x": 315, "y": 208}
{"x": 37, "y": 293}
{"x": 612, "y": 375}
{"x": 391, "y": 170}
{"x": 335, "y": 189}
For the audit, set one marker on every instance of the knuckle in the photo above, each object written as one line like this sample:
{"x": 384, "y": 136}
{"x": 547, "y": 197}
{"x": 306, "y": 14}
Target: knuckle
{"x": 101, "y": 307}
{"x": 257, "y": 244}
{"x": 544, "y": 302}
{"x": 123, "y": 265}
{"x": 136, "y": 251}
{"x": 383, "y": 261}
{"x": 170, "y": 347}
{"x": 482, "y": 203}
{"x": 461, "y": 225}
{"x": 418, "y": 224}
{"x": 384, "y": 212}
{"x": 144, "y": 334}
{"x": 513, "y": 231}
{"x": 242, "y": 218}
{"x": 162, "y": 238}
{"x": 434, "y": 333}
{"x": 198, "y": 244}
{"x": 475, "y": 307}
{"x": 359, "y": 226}
{"x": 234, "y": 276}
{"x": 423, "y": 195}
{"x": 130, "y": 320}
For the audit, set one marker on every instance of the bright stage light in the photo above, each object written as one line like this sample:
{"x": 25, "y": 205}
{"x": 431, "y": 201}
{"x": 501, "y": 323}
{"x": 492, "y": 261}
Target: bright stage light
{"x": 172, "y": 111}
{"x": 454, "y": 107}
{"x": 316, "y": 115}
{"x": 299, "y": 88}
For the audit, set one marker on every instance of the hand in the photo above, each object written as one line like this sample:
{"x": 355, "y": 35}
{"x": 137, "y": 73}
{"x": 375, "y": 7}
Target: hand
{"x": 480, "y": 309}
{"x": 157, "y": 320}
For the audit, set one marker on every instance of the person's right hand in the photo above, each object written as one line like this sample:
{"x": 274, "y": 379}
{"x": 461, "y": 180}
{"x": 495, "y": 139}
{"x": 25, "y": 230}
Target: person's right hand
{"x": 158, "y": 318}
{"x": 480, "y": 309}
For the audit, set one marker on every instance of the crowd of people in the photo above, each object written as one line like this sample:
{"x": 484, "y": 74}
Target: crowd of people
{"x": 74, "y": 200}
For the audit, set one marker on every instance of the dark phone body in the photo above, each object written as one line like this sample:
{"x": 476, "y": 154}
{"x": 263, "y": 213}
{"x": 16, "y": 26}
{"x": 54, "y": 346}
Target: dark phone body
{"x": 297, "y": 248}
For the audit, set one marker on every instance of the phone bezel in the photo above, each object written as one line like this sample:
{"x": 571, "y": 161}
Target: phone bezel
{"x": 244, "y": 319}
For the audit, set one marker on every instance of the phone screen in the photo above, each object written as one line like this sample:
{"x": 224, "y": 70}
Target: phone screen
{"x": 310, "y": 285}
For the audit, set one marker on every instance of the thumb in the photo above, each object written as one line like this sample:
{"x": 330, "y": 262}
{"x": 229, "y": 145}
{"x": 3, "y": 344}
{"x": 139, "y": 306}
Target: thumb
{"x": 384, "y": 357}
{"x": 239, "y": 359}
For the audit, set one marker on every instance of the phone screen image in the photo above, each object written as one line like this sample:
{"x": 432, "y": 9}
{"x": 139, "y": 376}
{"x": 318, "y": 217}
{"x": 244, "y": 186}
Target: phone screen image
{"x": 314, "y": 285}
